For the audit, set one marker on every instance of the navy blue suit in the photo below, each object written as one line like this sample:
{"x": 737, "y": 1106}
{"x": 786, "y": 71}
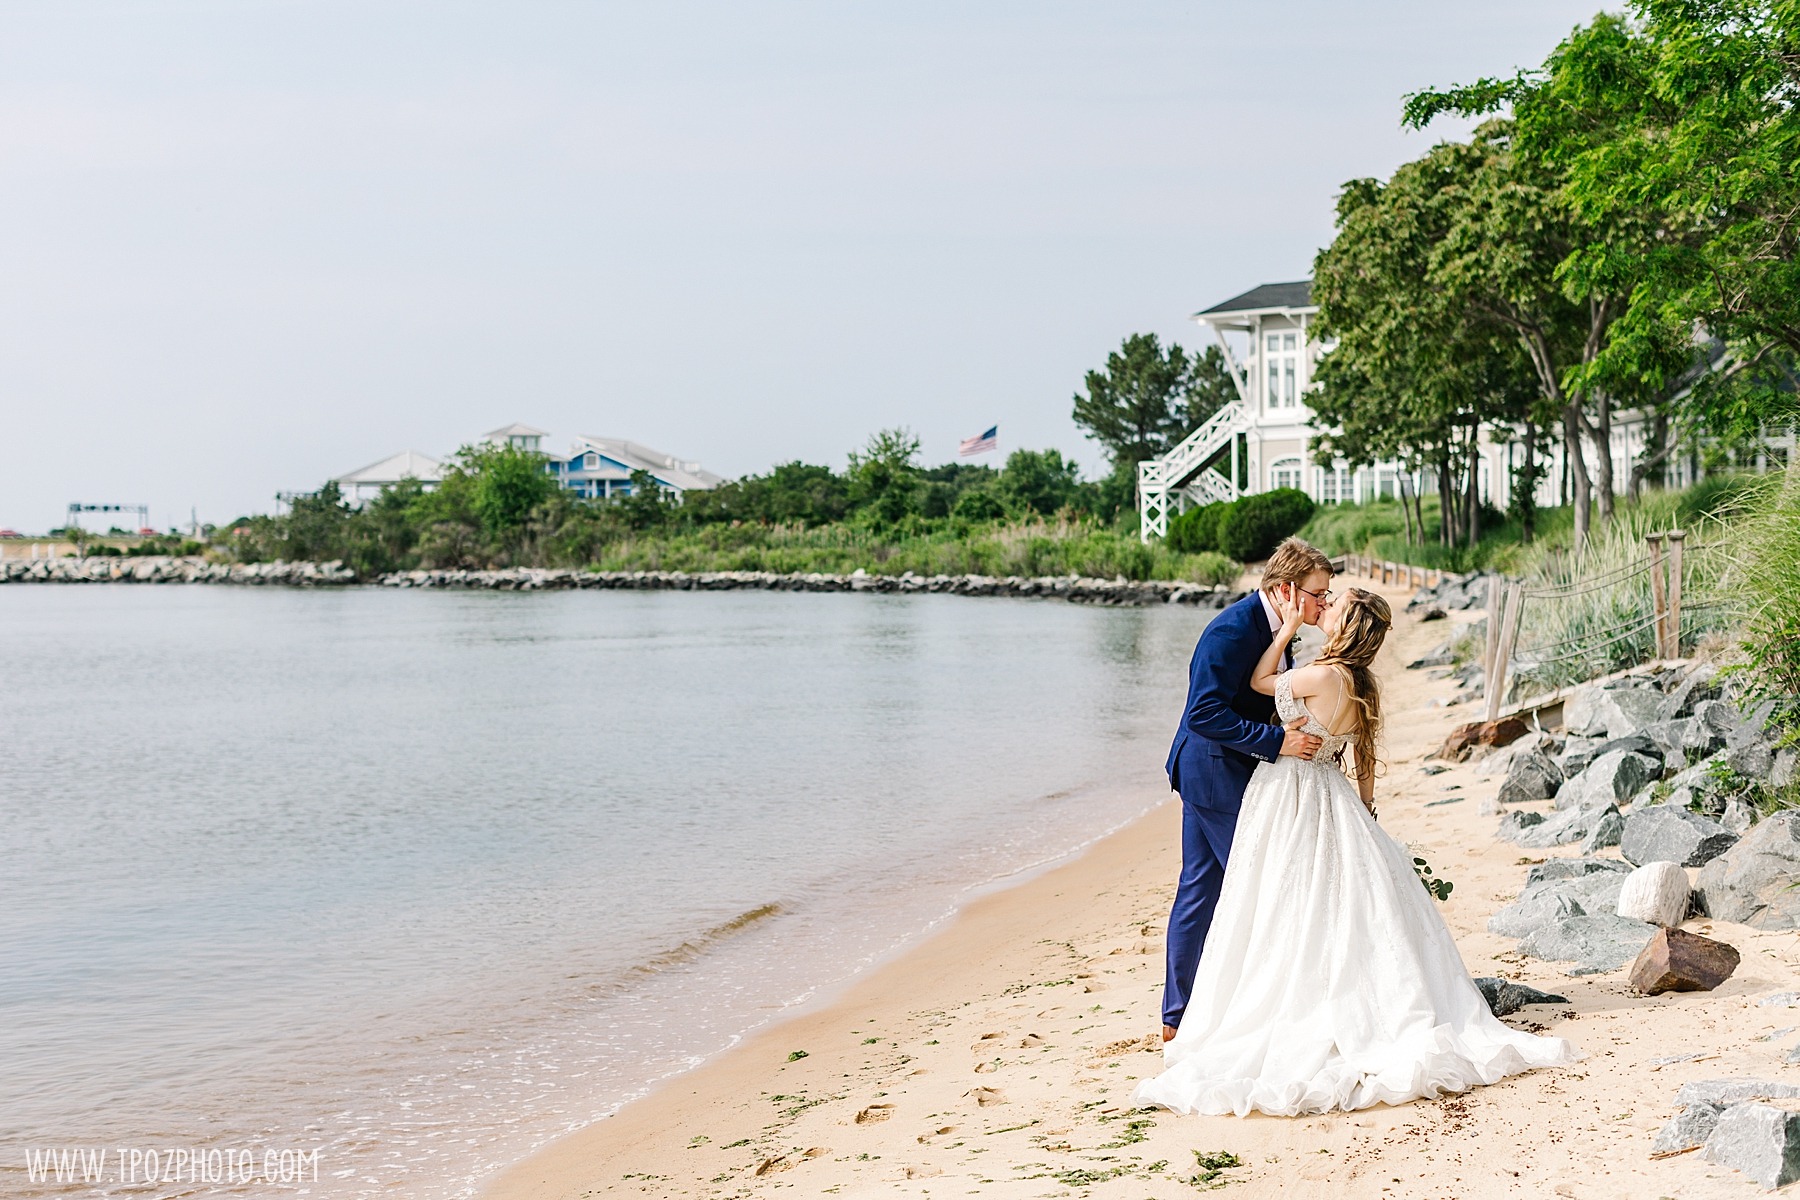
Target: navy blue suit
{"x": 1225, "y": 731}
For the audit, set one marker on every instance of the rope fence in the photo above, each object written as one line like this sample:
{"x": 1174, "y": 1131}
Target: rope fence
{"x": 1551, "y": 634}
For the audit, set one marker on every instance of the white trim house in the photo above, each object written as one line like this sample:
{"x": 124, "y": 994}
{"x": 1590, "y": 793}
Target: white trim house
{"x": 1263, "y": 440}
{"x": 363, "y": 484}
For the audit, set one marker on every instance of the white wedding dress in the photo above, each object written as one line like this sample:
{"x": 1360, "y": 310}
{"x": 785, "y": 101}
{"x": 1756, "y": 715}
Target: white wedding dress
{"x": 1329, "y": 980}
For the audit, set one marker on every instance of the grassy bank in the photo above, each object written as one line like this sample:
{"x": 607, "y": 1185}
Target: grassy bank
{"x": 1378, "y": 529}
{"x": 1033, "y": 547}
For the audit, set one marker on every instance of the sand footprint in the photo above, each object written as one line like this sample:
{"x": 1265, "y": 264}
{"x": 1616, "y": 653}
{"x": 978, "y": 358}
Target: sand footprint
{"x": 874, "y": 1113}
{"x": 987, "y": 1097}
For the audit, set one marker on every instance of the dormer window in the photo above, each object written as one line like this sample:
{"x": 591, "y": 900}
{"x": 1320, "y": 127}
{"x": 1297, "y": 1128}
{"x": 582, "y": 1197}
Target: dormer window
{"x": 590, "y": 461}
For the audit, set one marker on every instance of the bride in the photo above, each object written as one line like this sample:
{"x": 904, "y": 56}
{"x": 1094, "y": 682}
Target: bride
{"x": 1329, "y": 981}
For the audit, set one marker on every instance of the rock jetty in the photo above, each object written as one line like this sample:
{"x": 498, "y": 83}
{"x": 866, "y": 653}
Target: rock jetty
{"x": 1117, "y": 591}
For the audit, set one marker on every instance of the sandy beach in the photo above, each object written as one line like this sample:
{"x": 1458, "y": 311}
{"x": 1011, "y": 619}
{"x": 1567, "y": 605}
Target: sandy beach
{"x": 998, "y": 1057}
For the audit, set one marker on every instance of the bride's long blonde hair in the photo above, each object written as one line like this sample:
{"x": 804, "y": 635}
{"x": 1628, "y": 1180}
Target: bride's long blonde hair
{"x": 1351, "y": 652}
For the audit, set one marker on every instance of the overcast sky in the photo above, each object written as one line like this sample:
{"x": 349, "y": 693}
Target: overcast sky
{"x": 248, "y": 246}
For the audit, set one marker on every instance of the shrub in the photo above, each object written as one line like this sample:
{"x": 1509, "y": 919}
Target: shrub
{"x": 1196, "y": 531}
{"x": 1257, "y": 524}
{"x": 1767, "y": 550}
{"x": 979, "y": 505}
{"x": 1210, "y": 568}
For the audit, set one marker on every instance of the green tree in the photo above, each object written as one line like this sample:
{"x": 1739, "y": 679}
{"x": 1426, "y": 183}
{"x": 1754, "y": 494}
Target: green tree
{"x": 1419, "y": 371}
{"x": 884, "y": 476}
{"x": 1147, "y": 399}
{"x": 316, "y": 526}
{"x": 1039, "y": 481}
{"x": 499, "y": 484}
{"x": 648, "y": 505}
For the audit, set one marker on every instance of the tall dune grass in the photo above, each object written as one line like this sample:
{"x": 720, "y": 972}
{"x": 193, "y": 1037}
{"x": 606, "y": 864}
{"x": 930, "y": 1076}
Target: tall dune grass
{"x": 1025, "y": 548}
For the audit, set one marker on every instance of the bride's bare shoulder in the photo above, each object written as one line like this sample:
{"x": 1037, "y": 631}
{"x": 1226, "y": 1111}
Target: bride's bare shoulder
{"x": 1314, "y": 681}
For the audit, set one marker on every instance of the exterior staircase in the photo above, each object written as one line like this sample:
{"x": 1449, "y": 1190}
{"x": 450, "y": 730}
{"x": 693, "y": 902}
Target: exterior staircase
{"x": 1185, "y": 475}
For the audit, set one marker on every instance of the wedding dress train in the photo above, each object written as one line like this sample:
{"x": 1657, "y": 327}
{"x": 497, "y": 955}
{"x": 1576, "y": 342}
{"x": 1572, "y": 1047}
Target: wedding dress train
{"x": 1329, "y": 980}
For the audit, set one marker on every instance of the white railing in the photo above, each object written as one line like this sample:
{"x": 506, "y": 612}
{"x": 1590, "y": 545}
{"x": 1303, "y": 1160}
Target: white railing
{"x": 1181, "y": 474}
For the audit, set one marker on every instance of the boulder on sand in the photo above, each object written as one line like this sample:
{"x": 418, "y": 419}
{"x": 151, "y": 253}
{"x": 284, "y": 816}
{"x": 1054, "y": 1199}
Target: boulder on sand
{"x": 1504, "y": 997}
{"x": 1612, "y": 778}
{"x": 1760, "y": 1140}
{"x": 1465, "y": 738}
{"x": 1599, "y": 943}
{"x": 1546, "y": 902}
{"x": 1532, "y": 776}
{"x": 1679, "y": 961}
{"x": 1665, "y": 833}
{"x": 1752, "y": 883}
{"x": 1573, "y": 868}
{"x": 1656, "y": 892}
{"x": 1688, "y": 1131}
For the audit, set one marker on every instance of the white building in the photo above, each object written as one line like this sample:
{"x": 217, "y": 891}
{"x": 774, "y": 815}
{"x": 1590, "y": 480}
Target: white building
{"x": 601, "y": 468}
{"x": 365, "y": 484}
{"x": 1263, "y": 440}
{"x": 596, "y": 468}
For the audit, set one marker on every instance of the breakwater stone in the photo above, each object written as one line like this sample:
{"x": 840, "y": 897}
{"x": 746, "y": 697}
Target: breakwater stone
{"x": 1665, "y": 833}
{"x": 1752, "y": 882}
{"x": 1760, "y": 1140}
{"x": 175, "y": 570}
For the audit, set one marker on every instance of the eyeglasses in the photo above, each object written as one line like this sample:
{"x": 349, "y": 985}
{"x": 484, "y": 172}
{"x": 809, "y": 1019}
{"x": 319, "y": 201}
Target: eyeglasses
{"x": 1322, "y": 597}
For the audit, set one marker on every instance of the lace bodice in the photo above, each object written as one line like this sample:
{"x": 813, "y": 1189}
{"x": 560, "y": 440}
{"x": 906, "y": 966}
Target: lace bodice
{"x": 1331, "y": 749}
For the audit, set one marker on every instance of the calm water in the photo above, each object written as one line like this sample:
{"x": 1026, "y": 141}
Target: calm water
{"x": 420, "y": 880}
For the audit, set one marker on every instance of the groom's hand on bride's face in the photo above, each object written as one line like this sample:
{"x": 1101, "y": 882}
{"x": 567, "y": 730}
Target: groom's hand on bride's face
{"x": 1297, "y": 744}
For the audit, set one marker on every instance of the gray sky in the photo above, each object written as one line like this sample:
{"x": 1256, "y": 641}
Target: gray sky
{"x": 248, "y": 246}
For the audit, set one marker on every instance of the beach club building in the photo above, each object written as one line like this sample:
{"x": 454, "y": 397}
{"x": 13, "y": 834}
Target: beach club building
{"x": 595, "y": 468}
{"x": 1263, "y": 439}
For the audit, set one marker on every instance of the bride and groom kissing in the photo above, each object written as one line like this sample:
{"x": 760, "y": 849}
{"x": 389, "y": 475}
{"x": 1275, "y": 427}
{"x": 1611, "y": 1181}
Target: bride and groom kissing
{"x": 1308, "y": 968}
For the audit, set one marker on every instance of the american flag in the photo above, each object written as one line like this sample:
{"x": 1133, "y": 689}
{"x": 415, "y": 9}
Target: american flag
{"x": 983, "y": 443}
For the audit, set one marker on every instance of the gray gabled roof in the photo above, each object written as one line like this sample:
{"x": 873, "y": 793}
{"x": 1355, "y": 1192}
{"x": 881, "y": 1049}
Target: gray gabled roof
{"x": 687, "y": 476}
{"x": 1265, "y": 296}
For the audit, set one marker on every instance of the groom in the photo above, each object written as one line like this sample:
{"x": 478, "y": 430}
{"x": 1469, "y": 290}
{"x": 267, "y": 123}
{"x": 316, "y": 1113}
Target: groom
{"x": 1225, "y": 731}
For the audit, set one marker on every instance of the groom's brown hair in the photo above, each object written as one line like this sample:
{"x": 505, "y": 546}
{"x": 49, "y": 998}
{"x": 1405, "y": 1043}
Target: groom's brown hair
{"x": 1292, "y": 562}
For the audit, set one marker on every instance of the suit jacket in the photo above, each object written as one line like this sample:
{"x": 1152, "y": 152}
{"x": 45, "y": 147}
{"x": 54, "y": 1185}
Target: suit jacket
{"x": 1226, "y": 728}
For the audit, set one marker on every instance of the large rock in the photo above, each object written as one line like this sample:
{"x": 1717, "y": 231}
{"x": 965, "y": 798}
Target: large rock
{"x": 1528, "y": 914}
{"x": 1514, "y": 825}
{"x": 1753, "y": 759}
{"x": 1656, "y": 892}
{"x": 1667, "y": 740}
{"x": 1752, "y": 882}
{"x": 1577, "y": 753}
{"x": 1665, "y": 833}
{"x": 1679, "y": 961}
{"x": 1698, "y": 684}
{"x": 1700, "y": 739}
{"x": 1760, "y": 1140}
{"x": 1530, "y": 777}
{"x": 1610, "y": 779}
{"x": 1504, "y": 997}
{"x": 1688, "y": 1131}
{"x": 1611, "y": 711}
{"x": 1570, "y": 825}
{"x": 1465, "y": 739}
{"x": 1544, "y": 903}
{"x": 1605, "y": 831}
{"x": 1727, "y": 1092}
{"x": 1552, "y": 869}
{"x": 1599, "y": 943}
{"x": 1720, "y": 716}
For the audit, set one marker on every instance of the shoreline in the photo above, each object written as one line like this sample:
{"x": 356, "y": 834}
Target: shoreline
{"x": 997, "y": 1056}
{"x": 334, "y": 574}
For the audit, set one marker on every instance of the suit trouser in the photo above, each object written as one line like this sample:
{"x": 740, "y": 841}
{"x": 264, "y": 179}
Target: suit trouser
{"x": 1206, "y": 835}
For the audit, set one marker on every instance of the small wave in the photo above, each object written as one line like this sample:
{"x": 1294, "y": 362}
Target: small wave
{"x": 692, "y": 948}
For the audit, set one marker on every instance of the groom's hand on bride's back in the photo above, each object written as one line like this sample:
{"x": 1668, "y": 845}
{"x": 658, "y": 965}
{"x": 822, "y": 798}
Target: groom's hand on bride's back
{"x": 1298, "y": 744}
